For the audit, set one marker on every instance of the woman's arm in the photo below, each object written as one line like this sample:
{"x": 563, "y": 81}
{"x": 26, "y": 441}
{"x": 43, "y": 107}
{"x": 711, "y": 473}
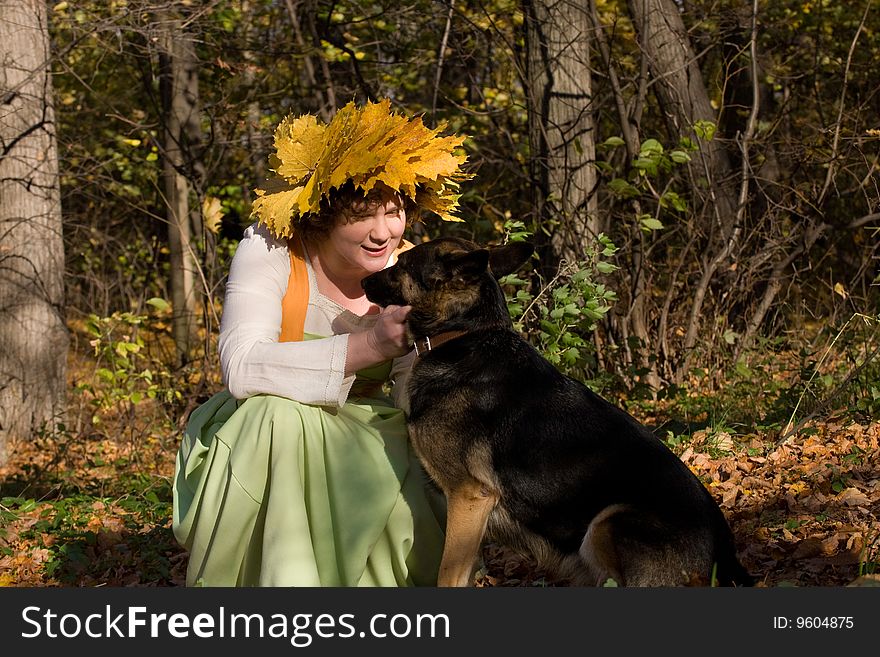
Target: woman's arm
{"x": 252, "y": 360}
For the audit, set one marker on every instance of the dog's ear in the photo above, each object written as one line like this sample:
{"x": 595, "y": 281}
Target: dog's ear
{"x": 504, "y": 260}
{"x": 466, "y": 265}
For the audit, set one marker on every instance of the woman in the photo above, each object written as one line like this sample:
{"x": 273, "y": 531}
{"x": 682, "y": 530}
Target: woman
{"x": 299, "y": 473}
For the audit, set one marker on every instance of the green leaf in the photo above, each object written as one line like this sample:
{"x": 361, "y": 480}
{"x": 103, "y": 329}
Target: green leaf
{"x": 651, "y": 146}
{"x": 674, "y": 200}
{"x": 705, "y": 130}
{"x": 622, "y": 188}
{"x": 551, "y": 328}
{"x": 105, "y": 374}
{"x": 687, "y": 143}
{"x": 158, "y": 303}
{"x": 648, "y": 222}
{"x": 645, "y": 164}
{"x": 571, "y": 355}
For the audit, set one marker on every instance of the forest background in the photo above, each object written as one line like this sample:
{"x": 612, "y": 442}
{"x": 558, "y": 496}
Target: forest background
{"x": 700, "y": 177}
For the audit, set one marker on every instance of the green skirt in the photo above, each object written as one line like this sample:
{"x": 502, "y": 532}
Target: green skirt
{"x": 271, "y": 492}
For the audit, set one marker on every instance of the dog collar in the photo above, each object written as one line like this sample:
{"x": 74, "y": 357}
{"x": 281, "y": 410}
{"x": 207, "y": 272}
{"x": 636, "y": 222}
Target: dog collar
{"x": 427, "y": 343}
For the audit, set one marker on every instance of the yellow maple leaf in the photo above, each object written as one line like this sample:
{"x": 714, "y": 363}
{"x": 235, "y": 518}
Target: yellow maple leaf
{"x": 362, "y": 153}
{"x": 274, "y": 204}
{"x": 298, "y": 145}
{"x": 212, "y": 213}
{"x": 366, "y": 146}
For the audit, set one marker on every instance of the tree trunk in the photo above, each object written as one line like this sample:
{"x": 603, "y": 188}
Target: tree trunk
{"x": 33, "y": 334}
{"x": 683, "y": 95}
{"x": 179, "y": 78}
{"x": 562, "y": 131}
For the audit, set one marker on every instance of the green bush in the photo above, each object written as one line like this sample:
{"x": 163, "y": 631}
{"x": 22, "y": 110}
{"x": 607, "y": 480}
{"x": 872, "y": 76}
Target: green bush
{"x": 560, "y": 317}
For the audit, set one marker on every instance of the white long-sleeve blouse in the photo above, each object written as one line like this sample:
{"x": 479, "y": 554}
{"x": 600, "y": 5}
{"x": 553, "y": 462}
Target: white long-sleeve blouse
{"x": 254, "y": 362}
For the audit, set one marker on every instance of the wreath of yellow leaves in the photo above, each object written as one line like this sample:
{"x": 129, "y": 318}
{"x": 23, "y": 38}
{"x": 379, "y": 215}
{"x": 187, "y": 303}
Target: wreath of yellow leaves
{"x": 366, "y": 146}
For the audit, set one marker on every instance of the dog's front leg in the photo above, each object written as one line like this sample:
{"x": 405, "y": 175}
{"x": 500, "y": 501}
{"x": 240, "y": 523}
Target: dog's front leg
{"x": 468, "y": 509}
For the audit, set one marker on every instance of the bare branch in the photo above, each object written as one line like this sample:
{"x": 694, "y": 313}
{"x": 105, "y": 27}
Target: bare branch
{"x": 832, "y": 163}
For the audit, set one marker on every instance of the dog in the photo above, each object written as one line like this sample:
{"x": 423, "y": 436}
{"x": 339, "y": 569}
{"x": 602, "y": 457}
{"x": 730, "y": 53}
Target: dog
{"x": 533, "y": 459}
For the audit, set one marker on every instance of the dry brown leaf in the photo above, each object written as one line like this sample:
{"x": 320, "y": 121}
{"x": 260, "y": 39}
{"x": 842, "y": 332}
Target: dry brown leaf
{"x": 728, "y": 499}
{"x": 808, "y": 548}
{"x": 866, "y": 580}
{"x": 853, "y": 497}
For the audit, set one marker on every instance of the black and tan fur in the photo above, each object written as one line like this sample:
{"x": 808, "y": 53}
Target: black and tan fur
{"x": 531, "y": 458}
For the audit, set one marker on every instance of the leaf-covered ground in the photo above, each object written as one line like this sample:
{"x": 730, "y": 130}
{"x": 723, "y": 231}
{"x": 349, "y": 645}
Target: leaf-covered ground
{"x": 805, "y": 512}
{"x": 93, "y": 507}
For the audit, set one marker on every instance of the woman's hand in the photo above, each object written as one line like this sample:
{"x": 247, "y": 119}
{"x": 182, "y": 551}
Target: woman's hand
{"x": 388, "y": 337}
{"x": 386, "y": 340}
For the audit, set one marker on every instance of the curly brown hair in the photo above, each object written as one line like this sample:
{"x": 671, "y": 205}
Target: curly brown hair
{"x": 347, "y": 204}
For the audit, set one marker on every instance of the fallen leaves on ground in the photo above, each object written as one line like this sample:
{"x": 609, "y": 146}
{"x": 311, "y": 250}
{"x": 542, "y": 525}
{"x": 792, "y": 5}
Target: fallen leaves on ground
{"x": 804, "y": 512}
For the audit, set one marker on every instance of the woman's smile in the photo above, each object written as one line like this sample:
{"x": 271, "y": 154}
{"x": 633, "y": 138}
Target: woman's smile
{"x": 376, "y": 251}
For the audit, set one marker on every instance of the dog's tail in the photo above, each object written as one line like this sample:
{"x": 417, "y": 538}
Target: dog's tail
{"x": 730, "y": 572}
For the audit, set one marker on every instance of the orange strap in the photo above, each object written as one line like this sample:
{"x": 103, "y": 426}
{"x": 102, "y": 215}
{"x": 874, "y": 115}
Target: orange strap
{"x": 296, "y": 300}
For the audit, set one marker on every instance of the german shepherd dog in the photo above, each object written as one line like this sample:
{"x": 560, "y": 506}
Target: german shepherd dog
{"x": 533, "y": 459}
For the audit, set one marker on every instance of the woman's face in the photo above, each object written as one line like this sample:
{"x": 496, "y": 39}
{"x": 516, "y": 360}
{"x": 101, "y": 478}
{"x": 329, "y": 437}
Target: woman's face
{"x": 362, "y": 241}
